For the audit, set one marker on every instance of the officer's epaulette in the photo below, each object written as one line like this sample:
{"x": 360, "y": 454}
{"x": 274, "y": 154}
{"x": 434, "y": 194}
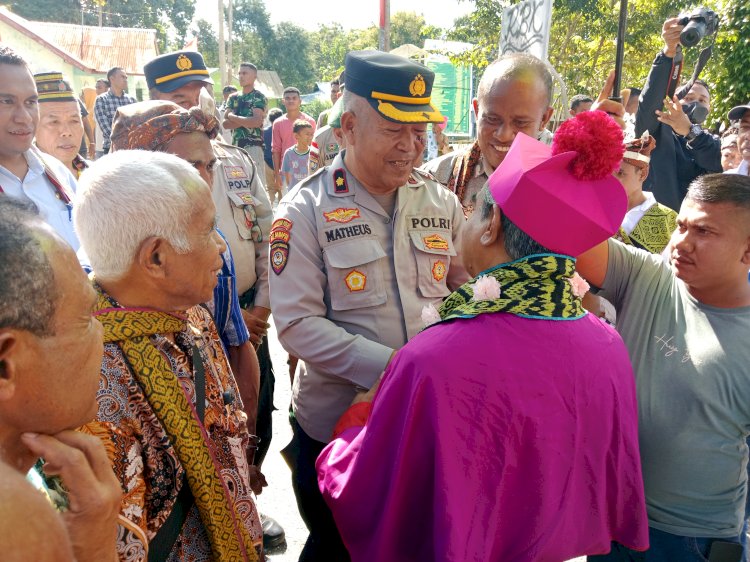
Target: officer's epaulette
{"x": 424, "y": 174}
{"x": 223, "y": 146}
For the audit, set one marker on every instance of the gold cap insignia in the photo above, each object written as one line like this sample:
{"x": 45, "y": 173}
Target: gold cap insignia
{"x": 417, "y": 86}
{"x": 184, "y": 63}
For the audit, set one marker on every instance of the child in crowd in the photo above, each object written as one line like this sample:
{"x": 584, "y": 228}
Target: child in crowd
{"x": 294, "y": 164}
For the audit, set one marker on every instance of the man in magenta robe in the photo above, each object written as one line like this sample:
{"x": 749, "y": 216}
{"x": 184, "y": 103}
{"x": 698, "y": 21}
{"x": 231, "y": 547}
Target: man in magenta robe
{"x": 507, "y": 430}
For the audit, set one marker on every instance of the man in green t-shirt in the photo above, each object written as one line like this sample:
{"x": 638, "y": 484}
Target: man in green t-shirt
{"x": 245, "y": 113}
{"x": 686, "y": 322}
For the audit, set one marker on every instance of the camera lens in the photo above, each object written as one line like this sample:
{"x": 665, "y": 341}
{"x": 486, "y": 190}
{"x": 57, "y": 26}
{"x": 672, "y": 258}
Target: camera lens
{"x": 693, "y": 32}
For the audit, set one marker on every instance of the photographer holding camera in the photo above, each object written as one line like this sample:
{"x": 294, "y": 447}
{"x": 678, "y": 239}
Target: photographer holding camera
{"x": 684, "y": 150}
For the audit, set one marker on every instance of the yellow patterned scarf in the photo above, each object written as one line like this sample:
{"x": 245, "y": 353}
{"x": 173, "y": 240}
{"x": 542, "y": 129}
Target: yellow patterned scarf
{"x": 539, "y": 286}
{"x": 131, "y": 329}
{"x": 653, "y": 231}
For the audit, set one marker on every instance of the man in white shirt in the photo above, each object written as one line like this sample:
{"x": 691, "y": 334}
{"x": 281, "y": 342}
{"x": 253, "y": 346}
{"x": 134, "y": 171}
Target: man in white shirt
{"x": 25, "y": 173}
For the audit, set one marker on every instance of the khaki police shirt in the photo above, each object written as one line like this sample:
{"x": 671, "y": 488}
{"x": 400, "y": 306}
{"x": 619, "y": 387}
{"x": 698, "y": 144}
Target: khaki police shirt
{"x": 327, "y": 284}
{"x": 442, "y": 168}
{"x": 244, "y": 217}
{"x": 324, "y": 148}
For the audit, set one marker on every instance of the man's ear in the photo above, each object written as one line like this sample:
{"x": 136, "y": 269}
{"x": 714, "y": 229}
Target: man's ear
{"x": 8, "y": 363}
{"x": 348, "y": 122}
{"x": 475, "y": 106}
{"x": 546, "y": 117}
{"x": 153, "y": 256}
{"x": 746, "y": 254}
{"x": 494, "y": 229}
{"x": 642, "y": 174}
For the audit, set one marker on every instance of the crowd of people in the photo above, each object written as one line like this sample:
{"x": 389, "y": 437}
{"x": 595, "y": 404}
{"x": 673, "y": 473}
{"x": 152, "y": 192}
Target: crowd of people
{"x": 529, "y": 349}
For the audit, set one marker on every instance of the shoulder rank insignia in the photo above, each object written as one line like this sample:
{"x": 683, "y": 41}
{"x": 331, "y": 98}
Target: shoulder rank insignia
{"x": 342, "y": 215}
{"x": 339, "y": 182}
{"x": 235, "y": 172}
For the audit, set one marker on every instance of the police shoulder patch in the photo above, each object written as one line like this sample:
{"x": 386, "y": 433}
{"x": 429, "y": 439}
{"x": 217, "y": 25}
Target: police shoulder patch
{"x": 279, "y": 238}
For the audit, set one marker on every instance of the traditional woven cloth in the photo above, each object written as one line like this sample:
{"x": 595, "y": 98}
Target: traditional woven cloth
{"x": 463, "y": 171}
{"x": 536, "y": 286}
{"x": 653, "y": 231}
{"x": 130, "y": 329}
{"x": 150, "y": 125}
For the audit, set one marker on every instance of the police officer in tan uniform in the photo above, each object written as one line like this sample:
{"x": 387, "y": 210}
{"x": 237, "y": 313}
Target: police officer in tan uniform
{"x": 357, "y": 250}
{"x": 244, "y": 216}
{"x": 327, "y": 142}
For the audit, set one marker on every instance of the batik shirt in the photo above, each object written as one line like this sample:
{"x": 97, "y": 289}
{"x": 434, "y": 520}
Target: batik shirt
{"x": 145, "y": 461}
{"x": 243, "y": 105}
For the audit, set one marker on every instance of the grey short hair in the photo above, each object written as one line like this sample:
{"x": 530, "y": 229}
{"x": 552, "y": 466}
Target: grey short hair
{"x": 128, "y": 196}
{"x": 28, "y": 292}
{"x": 518, "y": 244}
{"x": 512, "y": 66}
{"x": 352, "y": 102}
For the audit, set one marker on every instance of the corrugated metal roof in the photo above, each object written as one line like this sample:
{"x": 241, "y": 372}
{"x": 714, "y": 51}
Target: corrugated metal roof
{"x": 101, "y": 48}
{"x": 269, "y": 83}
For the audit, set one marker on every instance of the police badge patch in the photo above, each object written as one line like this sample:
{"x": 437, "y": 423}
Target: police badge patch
{"x": 281, "y": 234}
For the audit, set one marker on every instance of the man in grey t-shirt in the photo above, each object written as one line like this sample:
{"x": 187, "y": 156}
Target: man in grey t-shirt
{"x": 686, "y": 324}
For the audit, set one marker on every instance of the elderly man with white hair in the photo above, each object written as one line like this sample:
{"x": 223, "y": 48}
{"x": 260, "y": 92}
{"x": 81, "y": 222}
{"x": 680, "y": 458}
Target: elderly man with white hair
{"x": 169, "y": 409}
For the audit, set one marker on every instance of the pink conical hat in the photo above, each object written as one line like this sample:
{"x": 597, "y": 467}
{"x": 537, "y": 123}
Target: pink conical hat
{"x": 542, "y": 191}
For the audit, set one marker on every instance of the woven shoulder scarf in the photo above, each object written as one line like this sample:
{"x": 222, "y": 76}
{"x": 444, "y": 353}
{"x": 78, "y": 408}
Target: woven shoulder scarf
{"x": 463, "y": 171}
{"x": 537, "y": 286}
{"x": 130, "y": 329}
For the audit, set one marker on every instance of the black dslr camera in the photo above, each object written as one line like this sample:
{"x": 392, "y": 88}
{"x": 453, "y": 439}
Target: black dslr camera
{"x": 700, "y": 23}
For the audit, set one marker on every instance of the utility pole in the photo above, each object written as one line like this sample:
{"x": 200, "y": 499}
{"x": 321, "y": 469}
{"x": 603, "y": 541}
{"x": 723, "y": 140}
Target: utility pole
{"x": 384, "y": 39}
{"x": 230, "y": 62}
{"x": 222, "y": 45}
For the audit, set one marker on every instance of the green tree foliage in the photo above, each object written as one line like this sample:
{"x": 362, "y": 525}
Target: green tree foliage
{"x": 63, "y": 11}
{"x": 583, "y": 41}
{"x": 291, "y": 56}
{"x": 728, "y": 73}
{"x": 155, "y": 14}
{"x": 328, "y": 47}
{"x": 208, "y": 44}
{"x": 330, "y": 43}
{"x": 316, "y": 107}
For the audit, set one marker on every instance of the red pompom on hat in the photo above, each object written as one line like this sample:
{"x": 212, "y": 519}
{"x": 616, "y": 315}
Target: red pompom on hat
{"x": 597, "y": 139}
{"x": 565, "y": 198}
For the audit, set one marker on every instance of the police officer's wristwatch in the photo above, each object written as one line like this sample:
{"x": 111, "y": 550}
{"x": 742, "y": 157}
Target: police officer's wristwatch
{"x": 694, "y": 131}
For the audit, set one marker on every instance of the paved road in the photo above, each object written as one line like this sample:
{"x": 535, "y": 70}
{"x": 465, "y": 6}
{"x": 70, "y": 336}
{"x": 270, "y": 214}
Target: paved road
{"x": 277, "y": 500}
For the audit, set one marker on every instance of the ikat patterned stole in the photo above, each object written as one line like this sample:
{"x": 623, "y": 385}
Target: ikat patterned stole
{"x": 537, "y": 286}
{"x": 130, "y": 329}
